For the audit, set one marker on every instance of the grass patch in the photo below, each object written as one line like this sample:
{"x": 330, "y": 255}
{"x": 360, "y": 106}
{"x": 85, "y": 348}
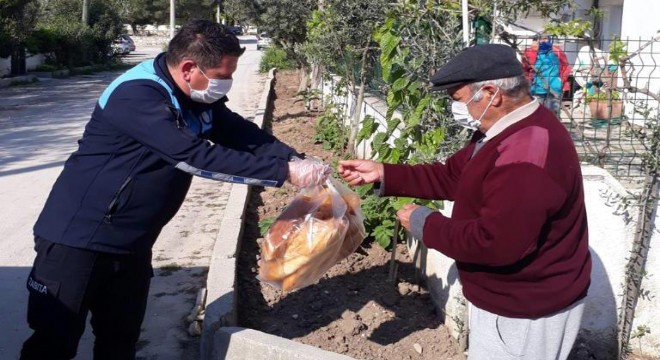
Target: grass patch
{"x": 23, "y": 82}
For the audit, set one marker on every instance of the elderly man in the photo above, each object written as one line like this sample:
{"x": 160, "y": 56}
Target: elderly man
{"x": 518, "y": 230}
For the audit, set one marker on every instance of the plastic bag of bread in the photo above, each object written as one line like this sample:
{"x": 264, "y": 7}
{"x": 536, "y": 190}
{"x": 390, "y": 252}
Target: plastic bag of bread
{"x": 320, "y": 227}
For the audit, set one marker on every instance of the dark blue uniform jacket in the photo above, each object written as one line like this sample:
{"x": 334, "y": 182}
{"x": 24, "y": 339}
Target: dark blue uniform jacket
{"x": 135, "y": 162}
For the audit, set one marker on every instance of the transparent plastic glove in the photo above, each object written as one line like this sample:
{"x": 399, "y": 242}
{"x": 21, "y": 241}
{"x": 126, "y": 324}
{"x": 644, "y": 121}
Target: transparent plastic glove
{"x": 308, "y": 172}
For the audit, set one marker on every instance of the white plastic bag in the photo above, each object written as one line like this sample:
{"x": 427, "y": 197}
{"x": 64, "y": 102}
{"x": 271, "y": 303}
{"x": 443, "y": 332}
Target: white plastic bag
{"x": 320, "y": 227}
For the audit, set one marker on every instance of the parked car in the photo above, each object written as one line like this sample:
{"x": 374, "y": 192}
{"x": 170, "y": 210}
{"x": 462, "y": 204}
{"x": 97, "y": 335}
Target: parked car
{"x": 120, "y": 47}
{"x": 264, "y": 41}
{"x": 236, "y": 30}
{"x": 127, "y": 39}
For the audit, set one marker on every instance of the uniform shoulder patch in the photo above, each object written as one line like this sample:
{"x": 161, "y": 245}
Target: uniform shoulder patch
{"x": 529, "y": 145}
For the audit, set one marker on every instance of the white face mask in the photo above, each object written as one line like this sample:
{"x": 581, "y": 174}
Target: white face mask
{"x": 215, "y": 91}
{"x": 462, "y": 115}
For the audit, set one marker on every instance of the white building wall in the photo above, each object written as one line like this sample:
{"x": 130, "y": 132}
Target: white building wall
{"x": 372, "y": 106}
{"x": 32, "y": 62}
{"x": 640, "y": 24}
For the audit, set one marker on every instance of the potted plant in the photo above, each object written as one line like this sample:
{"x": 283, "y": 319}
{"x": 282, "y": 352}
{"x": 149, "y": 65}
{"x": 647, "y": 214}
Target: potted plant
{"x": 605, "y": 102}
{"x": 605, "y": 105}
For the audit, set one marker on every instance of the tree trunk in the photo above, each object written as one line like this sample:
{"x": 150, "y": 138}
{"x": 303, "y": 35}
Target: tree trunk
{"x": 636, "y": 267}
{"x": 172, "y": 18}
{"x": 18, "y": 66}
{"x": 218, "y": 13}
{"x": 85, "y": 12}
{"x": 302, "y": 73}
{"x": 316, "y": 86}
{"x": 355, "y": 120}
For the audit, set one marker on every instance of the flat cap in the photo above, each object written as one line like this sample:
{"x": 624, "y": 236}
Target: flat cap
{"x": 477, "y": 63}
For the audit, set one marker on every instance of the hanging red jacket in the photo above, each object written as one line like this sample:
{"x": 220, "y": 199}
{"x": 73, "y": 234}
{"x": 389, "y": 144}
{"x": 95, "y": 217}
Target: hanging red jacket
{"x": 529, "y": 59}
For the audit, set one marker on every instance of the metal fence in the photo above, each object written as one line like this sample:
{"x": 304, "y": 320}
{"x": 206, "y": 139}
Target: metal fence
{"x": 607, "y": 122}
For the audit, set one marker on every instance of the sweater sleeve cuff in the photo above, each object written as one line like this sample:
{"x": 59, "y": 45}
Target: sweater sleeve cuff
{"x": 282, "y": 172}
{"x": 378, "y": 188}
{"x": 417, "y": 220}
{"x": 388, "y": 170}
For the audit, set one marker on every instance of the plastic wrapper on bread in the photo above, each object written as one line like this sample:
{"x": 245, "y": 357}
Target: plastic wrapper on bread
{"x": 319, "y": 228}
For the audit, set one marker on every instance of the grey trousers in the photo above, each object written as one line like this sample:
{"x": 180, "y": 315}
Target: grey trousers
{"x": 494, "y": 337}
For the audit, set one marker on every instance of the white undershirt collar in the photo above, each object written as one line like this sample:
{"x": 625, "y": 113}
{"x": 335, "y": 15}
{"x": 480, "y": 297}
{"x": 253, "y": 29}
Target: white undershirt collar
{"x": 510, "y": 119}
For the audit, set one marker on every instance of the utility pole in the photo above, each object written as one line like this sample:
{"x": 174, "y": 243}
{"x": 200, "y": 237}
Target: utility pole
{"x": 218, "y": 14}
{"x": 85, "y": 12}
{"x": 466, "y": 23}
{"x": 172, "y": 17}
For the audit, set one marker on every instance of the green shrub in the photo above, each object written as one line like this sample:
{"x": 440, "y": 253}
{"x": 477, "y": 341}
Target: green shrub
{"x": 66, "y": 41}
{"x": 330, "y": 131}
{"x": 48, "y": 67}
{"x": 275, "y": 57}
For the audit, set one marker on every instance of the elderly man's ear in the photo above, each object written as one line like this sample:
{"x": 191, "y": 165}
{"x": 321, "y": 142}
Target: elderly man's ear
{"x": 493, "y": 93}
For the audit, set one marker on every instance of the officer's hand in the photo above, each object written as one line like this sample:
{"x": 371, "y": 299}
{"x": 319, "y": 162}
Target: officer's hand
{"x": 308, "y": 172}
{"x": 360, "y": 172}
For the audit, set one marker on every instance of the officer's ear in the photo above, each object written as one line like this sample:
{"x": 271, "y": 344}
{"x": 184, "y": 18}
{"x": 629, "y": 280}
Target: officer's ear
{"x": 186, "y": 67}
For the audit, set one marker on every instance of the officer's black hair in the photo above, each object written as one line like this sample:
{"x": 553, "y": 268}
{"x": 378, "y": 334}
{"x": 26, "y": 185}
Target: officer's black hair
{"x": 203, "y": 41}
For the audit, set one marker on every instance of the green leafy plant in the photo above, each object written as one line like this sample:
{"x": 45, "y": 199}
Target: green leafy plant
{"x": 330, "y": 131}
{"x": 575, "y": 28}
{"x": 265, "y": 224}
{"x": 378, "y": 215}
{"x": 409, "y": 34}
{"x": 639, "y": 333}
{"x": 309, "y": 95}
{"x": 605, "y": 95}
{"x": 617, "y": 50}
{"x": 68, "y": 42}
{"x": 275, "y": 57}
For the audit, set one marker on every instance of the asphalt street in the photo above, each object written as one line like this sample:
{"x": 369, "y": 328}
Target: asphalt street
{"x": 40, "y": 124}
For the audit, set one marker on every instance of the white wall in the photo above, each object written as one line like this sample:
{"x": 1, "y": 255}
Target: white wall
{"x": 610, "y": 237}
{"x": 639, "y": 24}
{"x": 372, "y": 105}
{"x": 32, "y": 62}
{"x": 611, "y": 233}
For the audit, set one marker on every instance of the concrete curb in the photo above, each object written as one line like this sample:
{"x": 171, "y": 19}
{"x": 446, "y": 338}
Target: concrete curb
{"x": 221, "y": 299}
{"x": 17, "y": 80}
{"x": 235, "y": 343}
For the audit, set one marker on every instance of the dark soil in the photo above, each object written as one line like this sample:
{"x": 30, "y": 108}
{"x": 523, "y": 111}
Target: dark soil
{"x": 353, "y": 309}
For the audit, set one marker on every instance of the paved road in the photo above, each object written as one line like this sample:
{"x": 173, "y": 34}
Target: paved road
{"x": 39, "y": 127}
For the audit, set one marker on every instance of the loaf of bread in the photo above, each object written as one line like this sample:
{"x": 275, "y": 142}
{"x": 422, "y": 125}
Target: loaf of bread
{"x": 318, "y": 229}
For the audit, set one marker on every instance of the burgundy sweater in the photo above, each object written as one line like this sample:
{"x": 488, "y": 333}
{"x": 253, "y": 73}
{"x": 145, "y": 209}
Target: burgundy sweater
{"x": 518, "y": 230}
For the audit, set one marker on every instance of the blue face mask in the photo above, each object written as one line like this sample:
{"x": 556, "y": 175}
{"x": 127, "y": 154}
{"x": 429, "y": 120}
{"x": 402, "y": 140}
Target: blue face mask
{"x": 545, "y": 46}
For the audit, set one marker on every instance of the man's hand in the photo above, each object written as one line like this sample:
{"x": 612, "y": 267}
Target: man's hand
{"x": 404, "y": 214}
{"x": 360, "y": 172}
{"x": 308, "y": 172}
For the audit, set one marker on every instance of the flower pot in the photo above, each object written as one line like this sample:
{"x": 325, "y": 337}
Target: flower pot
{"x": 603, "y": 111}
